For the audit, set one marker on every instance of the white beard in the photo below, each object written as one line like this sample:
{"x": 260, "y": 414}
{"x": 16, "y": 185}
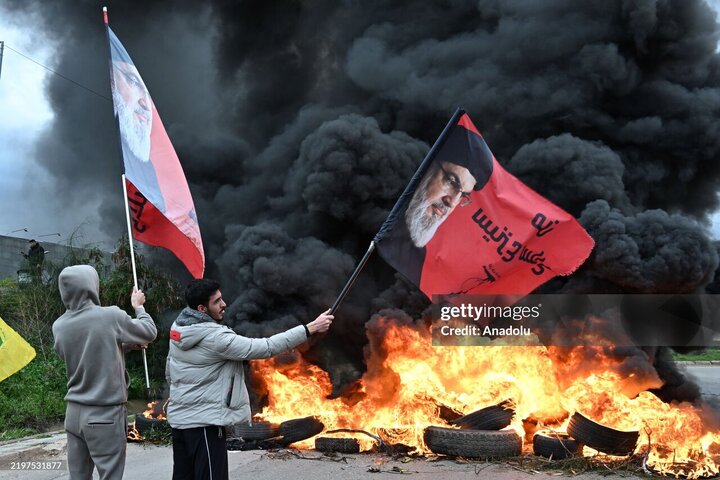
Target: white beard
{"x": 135, "y": 135}
{"x": 421, "y": 225}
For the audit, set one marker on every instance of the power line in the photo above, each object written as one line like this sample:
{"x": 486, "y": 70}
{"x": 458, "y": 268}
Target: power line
{"x": 58, "y": 74}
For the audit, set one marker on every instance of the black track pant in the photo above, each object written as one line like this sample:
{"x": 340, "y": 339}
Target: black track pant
{"x": 199, "y": 454}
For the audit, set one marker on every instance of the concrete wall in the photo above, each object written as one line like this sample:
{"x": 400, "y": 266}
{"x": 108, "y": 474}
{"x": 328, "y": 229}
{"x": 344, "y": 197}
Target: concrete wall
{"x": 11, "y": 260}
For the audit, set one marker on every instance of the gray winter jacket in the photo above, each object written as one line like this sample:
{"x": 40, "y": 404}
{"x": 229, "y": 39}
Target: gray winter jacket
{"x": 205, "y": 373}
{"x": 89, "y": 339}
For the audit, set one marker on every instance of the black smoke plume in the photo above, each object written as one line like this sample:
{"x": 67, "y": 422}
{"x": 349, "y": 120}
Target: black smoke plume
{"x": 298, "y": 124}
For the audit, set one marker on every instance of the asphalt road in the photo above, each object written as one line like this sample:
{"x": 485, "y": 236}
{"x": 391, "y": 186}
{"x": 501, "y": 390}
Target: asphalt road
{"x": 707, "y": 376}
{"x": 152, "y": 462}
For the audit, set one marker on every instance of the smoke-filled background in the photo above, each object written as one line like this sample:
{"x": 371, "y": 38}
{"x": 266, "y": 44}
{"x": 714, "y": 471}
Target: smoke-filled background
{"x": 298, "y": 124}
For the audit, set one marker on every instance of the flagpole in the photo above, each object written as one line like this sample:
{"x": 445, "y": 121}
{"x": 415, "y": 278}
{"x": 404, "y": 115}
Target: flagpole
{"x": 125, "y": 196}
{"x": 353, "y": 277}
{"x": 129, "y": 226}
{"x": 398, "y": 205}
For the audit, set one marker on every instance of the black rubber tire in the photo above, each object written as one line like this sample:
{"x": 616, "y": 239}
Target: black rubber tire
{"x": 300, "y": 429}
{"x": 495, "y": 417}
{"x": 339, "y": 445}
{"x": 556, "y": 446}
{"x": 254, "y": 431}
{"x": 144, "y": 424}
{"x": 240, "y": 444}
{"x": 473, "y": 443}
{"x": 601, "y": 438}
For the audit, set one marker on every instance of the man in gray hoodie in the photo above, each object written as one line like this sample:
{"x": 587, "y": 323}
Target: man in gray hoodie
{"x": 89, "y": 338}
{"x": 207, "y": 383}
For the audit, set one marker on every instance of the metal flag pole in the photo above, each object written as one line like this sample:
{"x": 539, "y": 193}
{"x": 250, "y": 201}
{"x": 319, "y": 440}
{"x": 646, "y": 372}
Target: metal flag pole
{"x": 2, "y": 49}
{"x": 352, "y": 278}
{"x": 125, "y": 195}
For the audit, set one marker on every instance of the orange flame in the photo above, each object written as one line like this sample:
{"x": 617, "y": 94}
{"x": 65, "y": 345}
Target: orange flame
{"x": 408, "y": 381}
{"x": 155, "y": 410}
{"x": 133, "y": 435}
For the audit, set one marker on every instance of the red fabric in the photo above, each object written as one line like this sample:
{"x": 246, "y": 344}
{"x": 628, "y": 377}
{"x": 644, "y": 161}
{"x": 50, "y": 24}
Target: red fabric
{"x": 175, "y": 335}
{"x": 170, "y": 176}
{"x": 150, "y": 226}
{"x": 465, "y": 257}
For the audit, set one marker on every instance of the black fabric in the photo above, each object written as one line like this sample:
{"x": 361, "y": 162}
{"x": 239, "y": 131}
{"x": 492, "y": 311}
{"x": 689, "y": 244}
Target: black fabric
{"x": 200, "y": 453}
{"x": 398, "y": 250}
{"x": 468, "y": 150}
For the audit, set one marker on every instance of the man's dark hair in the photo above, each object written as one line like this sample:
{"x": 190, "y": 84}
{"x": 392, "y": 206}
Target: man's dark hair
{"x": 198, "y": 292}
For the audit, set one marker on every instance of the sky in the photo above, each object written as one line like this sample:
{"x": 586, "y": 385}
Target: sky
{"x": 24, "y": 113}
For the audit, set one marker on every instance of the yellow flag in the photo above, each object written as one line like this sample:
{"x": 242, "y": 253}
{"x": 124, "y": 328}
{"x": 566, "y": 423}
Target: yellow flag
{"x": 15, "y": 352}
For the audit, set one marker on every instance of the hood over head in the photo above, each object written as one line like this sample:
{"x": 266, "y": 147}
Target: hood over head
{"x": 79, "y": 286}
{"x": 191, "y": 327}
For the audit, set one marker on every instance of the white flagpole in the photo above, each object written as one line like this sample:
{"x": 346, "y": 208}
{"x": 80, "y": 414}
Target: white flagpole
{"x": 130, "y": 235}
{"x": 134, "y": 270}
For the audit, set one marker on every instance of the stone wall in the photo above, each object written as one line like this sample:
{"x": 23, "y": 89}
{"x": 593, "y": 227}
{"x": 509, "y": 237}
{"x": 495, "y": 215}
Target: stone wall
{"x": 12, "y": 261}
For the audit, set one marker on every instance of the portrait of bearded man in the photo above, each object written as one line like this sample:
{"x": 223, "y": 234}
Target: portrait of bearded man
{"x": 457, "y": 170}
{"x": 134, "y": 111}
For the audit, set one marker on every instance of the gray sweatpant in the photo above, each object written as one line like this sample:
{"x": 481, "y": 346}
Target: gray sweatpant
{"x": 96, "y": 437}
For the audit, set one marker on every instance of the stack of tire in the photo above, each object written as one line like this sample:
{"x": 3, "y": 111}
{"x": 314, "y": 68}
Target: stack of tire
{"x": 583, "y": 431}
{"x": 261, "y": 435}
{"x": 145, "y": 425}
{"x": 480, "y": 435}
{"x": 258, "y": 435}
{"x": 555, "y": 445}
{"x": 601, "y": 438}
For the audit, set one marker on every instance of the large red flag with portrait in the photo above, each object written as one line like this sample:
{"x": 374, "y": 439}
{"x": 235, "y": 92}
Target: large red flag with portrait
{"x": 466, "y": 225}
{"x": 162, "y": 209}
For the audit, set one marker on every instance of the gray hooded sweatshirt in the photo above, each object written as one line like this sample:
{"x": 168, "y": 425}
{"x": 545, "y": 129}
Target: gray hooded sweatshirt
{"x": 89, "y": 339}
{"x": 205, "y": 373}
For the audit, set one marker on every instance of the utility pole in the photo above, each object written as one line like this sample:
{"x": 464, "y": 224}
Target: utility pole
{"x": 2, "y": 47}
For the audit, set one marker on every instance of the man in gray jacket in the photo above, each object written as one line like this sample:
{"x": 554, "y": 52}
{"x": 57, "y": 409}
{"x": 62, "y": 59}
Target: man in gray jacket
{"x": 89, "y": 338}
{"x": 207, "y": 385}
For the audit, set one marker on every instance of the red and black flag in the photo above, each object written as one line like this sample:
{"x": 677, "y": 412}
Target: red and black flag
{"x": 466, "y": 225}
{"x": 162, "y": 209}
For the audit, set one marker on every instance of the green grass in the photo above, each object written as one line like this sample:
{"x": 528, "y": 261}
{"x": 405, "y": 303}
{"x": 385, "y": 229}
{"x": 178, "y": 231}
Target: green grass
{"x": 709, "y": 354}
{"x": 13, "y": 433}
{"x": 31, "y": 401}
{"x": 159, "y": 435}
{"x": 137, "y": 389}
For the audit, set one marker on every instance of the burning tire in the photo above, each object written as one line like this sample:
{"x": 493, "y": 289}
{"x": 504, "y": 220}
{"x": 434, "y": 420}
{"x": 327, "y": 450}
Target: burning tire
{"x": 495, "y": 417}
{"x": 145, "y": 424}
{"x": 339, "y": 445}
{"x": 255, "y": 431}
{"x": 300, "y": 429}
{"x": 601, "y": 438}
{"x": 556, "y": 446}
{"x": 473, "y": 443}
{"x": 242, "y": 444}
